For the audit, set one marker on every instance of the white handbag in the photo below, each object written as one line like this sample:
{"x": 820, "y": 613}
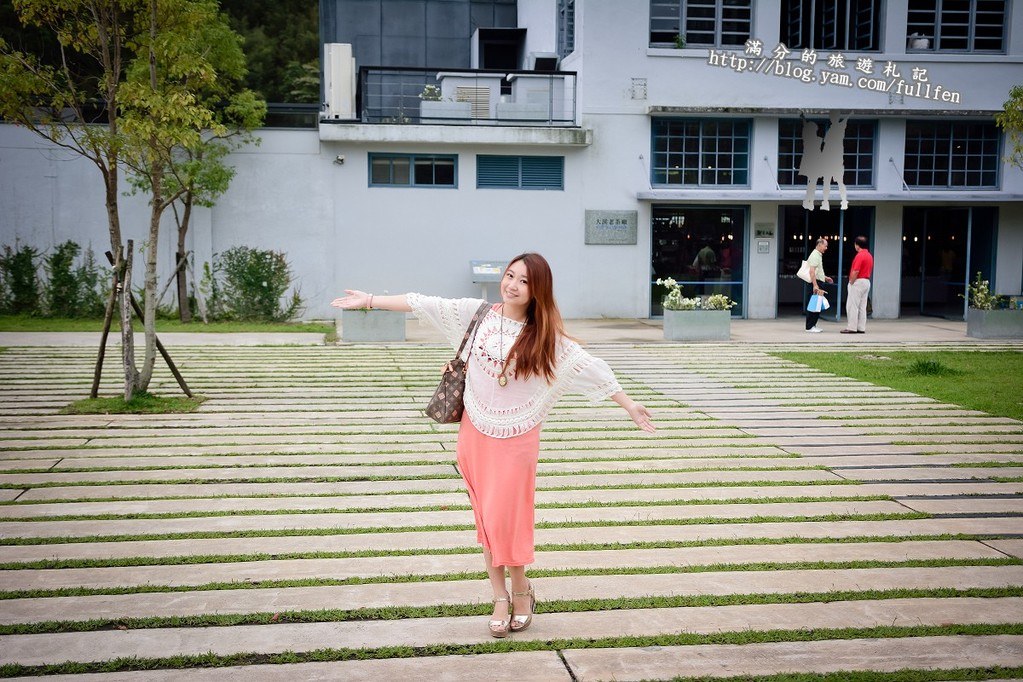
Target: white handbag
{"x": 804, "y": 272}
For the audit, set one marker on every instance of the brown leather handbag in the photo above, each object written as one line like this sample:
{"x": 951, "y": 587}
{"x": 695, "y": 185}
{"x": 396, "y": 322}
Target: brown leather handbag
{"x": 447, "y": 403}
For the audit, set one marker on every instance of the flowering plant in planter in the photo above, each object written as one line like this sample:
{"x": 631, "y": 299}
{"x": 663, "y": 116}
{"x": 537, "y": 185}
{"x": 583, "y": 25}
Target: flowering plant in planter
{"x": 676, "y": 301}
{"x": 981, "y": 297}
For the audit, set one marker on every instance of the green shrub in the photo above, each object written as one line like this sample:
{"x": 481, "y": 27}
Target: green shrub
{"x": 68, "y": 290}
{"x": 62, "y": 290}
{"x": 19, "y": 280}
{"x": 93, "y": 287}
{"x": 253, "y": 283}
{"x": 73, "y": 291}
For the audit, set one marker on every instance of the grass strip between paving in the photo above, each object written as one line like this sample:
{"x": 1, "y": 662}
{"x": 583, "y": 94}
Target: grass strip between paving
{"x": 614, "y": 486}
{"x": 442, "y": 507}
{"x": 185, "y": 559}
{"x": 398, "y": 462}
{"x": 210, "y": 660}
{"x": 411, "y": 477}
{"x": 150, "y": 588}
{"x": 292, "y": 532}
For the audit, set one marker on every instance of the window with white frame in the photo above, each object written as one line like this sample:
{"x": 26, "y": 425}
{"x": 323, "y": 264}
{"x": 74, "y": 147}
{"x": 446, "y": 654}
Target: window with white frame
{"x": 832, "y": 24}
{"x": 716, "y": 23}
{"x": 952, "y": 155}
{"x": 857, "y": 159}
{"x": 957, "y": 25}
{"x": 700, "y": 152}
{"x": 412, "y": 170}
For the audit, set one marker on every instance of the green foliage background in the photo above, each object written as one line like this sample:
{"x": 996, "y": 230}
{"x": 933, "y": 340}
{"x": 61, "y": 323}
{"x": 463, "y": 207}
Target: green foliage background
{"x": 282, "y": 46}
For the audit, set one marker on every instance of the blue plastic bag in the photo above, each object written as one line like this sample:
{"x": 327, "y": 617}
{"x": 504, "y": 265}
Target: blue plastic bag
{"x": 818, "y": 304}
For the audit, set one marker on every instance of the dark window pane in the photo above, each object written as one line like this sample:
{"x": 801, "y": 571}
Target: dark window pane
{"x": 424, "y": 172}
{"x": 401, "y": 172}
{"x": 380, "y": 171}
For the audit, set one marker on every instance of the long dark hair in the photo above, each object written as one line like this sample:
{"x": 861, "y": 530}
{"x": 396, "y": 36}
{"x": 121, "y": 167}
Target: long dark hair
{"x": 535, "y": 349}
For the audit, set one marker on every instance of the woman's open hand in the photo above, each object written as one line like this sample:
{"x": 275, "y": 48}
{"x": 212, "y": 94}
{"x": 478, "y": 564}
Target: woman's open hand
{"x": 642, "y": 417}
{"x": 354, "y": 299}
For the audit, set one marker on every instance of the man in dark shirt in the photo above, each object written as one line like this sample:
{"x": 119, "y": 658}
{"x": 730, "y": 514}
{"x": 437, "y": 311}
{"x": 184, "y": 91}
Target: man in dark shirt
{"x": 860, "y": 271}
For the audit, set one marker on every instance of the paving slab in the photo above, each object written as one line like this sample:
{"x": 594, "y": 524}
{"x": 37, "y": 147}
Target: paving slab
{"x": 156, "y": 490}
{"x": 15, "y": 465}
{"x": 7, "y": 444}
{"x": 434, "y": 540}
{"x": 547, "y": 468}
{"x": 230, "y": 473}
{"x": 1011, "y": 547}
{"x": 829, "y": 656}
{"x": 367, "y": 567}
{"x": 310, "y": 448}
{"x": 45, "y": 649}
{"x": 212, "y": 503}
{"x": 967, "y": 505}
{"x": 439, "y": 484}
{"x": 929, "y": 473}
{"x": 525, "y": 666}
{"x": 353, "y": 520}
{"x": 141, "y": 459}
{"x": 261, "y": 600}
{"x": 210, "y": 431}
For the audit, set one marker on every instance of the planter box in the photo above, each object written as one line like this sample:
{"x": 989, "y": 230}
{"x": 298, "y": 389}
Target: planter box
{"x": 697, "y": 325}
{"x": 433, "y": 112}
{"x": 994, "y": 324}
{"x": 372, "y": 326}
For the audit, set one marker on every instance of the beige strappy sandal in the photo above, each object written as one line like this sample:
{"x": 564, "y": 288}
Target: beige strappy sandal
{"x": 500, "y": 628}
{"x": 520, "y": 623}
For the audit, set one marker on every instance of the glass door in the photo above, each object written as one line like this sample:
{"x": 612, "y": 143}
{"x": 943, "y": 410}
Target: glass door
{"x": 943, "y": 249}
{"x": 701, "y": 248}
{"x": 800, "y": 230}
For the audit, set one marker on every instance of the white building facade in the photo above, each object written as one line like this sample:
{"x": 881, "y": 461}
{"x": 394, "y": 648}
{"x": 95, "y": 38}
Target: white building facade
{"x": 625, "y": 141}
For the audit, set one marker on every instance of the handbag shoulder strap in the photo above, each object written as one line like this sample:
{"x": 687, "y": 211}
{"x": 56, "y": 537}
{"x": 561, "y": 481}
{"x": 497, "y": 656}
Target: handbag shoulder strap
{"x": 470, "y": 331}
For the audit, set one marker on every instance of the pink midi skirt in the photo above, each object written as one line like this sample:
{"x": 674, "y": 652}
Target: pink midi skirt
{"x": 500, "y": 475}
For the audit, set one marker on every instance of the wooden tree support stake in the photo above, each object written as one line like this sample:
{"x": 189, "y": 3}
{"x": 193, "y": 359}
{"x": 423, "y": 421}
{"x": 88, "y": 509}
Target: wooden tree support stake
{"x": 108, "y": 318}
{"x": 106, "y": 329}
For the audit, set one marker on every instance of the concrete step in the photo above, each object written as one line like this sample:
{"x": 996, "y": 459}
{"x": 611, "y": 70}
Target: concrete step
{"x": 45, "y": 649}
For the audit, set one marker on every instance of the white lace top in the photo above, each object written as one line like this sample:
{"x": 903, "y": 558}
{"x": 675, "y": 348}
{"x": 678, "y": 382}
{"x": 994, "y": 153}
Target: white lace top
{"x": 506, "y": 411}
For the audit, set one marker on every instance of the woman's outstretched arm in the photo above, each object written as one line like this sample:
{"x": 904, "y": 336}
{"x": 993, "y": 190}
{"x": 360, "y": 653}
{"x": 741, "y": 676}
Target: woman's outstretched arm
{"x": 639, "y": 414}
{"x": 360, "y": 299}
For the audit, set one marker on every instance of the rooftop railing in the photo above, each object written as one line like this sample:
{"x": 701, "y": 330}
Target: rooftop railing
{"x": 466, "y": 97}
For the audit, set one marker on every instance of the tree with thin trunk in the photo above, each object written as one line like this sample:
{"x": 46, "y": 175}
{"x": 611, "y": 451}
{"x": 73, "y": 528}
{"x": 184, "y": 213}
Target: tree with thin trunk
{"x": 76, "y": 102}
{"x": 1011, "y": 121}
{"x": 197, "y": 173}
{"x": 124, "y": 93}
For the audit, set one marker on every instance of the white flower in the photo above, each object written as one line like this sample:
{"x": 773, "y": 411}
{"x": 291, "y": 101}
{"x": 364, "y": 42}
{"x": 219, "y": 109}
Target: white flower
{"x": 676, "y": 301}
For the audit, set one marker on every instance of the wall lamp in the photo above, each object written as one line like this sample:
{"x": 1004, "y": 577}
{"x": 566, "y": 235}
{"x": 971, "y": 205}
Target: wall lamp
{"x": 339, "y": 160}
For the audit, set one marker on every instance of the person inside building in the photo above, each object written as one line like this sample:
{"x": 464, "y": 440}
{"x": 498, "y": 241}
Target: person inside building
{"x": 815, "y": 262}
{"x": 859, "y": 288}
{"x": 518, "y": 366}
{"x": 706, "y": 262}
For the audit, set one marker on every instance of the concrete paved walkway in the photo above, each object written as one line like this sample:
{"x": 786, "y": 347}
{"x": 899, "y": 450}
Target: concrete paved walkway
{"x": 309, "y": 512}
{"x": 784, "y": 330}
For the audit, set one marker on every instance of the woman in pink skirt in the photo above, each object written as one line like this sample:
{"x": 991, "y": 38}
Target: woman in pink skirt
{"x": 519, "y": 365}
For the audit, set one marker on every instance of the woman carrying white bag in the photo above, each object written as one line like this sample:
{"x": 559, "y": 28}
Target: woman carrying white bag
{"x": 812, "y": 272}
